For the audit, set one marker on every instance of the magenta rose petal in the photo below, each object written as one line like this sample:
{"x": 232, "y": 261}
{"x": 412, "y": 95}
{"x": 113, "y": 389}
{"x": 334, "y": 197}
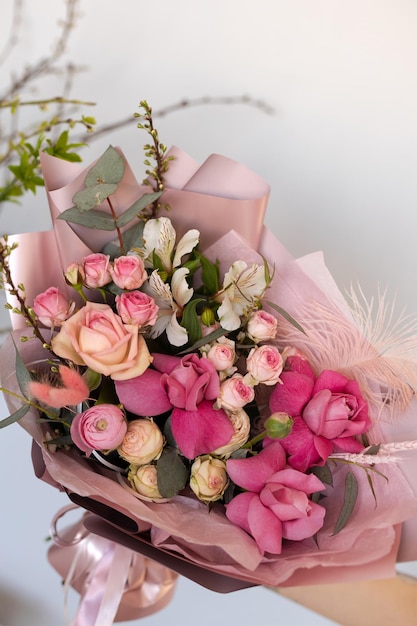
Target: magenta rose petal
{"x": 237, "y": 510}
{"x": 301, "y": 446}
{"x": 305, "y": 527}
{"x": 348, "y": 444}
{"x": 253, "y": 472}
{"x": 143, "y": 395}
{"x": 201, "y": 431}
{"x": 265, "y": 527}
{"x": 292, "y": 395}
{"x": 164, "y": 363}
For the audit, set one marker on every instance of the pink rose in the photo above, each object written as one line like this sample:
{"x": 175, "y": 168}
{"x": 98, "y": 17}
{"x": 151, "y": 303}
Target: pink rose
{"x": 142, "y": 443}
{"x": 52, "y": 307}
{"x": 262, "y": 326}
{"x": 187, "y": 386}
{"x": 101, "y": 427}
{"x": 222, "y": 354}
{"x": 276, "y": 504}
{"x": 234, "y": 393}
{"x": 136, "y": 307}
{"x": 265, "y": 364}
{"x": 192, "y": 380}
{"x": 96, "y": 270}
{"x": 128, "y": 272}
{"x": 329, "y": 412}
{"x": 95, "y": 336}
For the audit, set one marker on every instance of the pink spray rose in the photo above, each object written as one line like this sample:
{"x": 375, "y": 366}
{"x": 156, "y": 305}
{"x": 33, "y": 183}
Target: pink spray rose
{"x": 101, "y": 427}
{"x": 96, "y": 270}
{"x": 136, "y": 307}
{"x": 222, "y": 354}
{"x": 95, "y": 336}
{"x": 142, "y": 443}
{"x": 329, "y": 412}
{"x": 235, "y": 393}
{"x": 262, "y": 326}
{"x": 128, "y": 272}
{"x": 265, "y": 364}
{"x": 276, "y": 504}
{"x": 188, "y": 387}
{"x": 52, "y": 307}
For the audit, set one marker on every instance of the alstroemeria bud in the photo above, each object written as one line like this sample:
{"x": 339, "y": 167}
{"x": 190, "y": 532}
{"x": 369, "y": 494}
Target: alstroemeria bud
{"x": 278, "y": 425}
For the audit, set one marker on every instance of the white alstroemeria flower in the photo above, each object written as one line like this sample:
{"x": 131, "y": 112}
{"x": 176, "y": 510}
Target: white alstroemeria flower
{"x": 170, "y": 301}
{"x": 243, "y": 287}
{"x": 159, "y": 235}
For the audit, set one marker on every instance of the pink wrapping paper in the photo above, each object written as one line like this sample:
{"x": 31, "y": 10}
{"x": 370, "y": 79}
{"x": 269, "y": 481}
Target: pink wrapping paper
{"x": 367, "y": 547}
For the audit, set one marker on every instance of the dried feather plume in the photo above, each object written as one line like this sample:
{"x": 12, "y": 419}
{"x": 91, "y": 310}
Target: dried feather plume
{"x": 366, "y": 342}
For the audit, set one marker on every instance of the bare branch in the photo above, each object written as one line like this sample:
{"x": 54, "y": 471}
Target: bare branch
{"x": 13, "y": 38}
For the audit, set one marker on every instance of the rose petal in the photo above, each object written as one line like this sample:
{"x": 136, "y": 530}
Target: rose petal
{"x": 265, "y": 528}
{"x": 305, "y": 527}
{"x": 253, "y": 472}
{"x": 292, "y": 395}
{"x": 304, "y": 448}
{"x": 144, "y": 394}
{"x": 201, "y": 431}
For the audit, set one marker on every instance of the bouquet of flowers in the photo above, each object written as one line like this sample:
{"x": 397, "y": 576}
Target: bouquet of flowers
{"x": 214, "y": 404}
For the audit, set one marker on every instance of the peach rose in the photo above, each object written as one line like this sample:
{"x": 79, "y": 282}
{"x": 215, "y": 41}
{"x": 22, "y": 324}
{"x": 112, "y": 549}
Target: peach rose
{"x": 208, "y": 478}
{"x": 95, "y": 336}
{"x": 142, "y": 443}
{"x": 143, "y": 479}
{"x": 222, "y": 354}
{"x": 234, "y": 393}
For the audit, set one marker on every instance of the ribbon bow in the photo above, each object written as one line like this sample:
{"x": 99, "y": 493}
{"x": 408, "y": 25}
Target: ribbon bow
{"x": 115, "y": 583}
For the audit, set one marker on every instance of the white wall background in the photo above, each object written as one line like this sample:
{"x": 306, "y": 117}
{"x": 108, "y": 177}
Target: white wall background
{"x": 340, "y": 153}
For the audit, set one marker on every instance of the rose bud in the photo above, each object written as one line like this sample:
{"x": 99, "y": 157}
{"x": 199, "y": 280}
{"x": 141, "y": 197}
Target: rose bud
{"x": 262, "y": 326}
{"x": 265, "y": 364}
{"x": 234, "y": 393}
{"x": 241, "y": 423}
{"x": 278, "y": 425}
{"x": 101, "y": 427}
{"x": 136, "y": 307}
{"x": 128, "y": 272}
{"x": 52, "y": 307}
{"x": 142, "y": 443}
{"x": 208, "y": 478}
{"x": 143, "y": 479}
{"x": 74, "y": 275}
{"x": 96, "y": 270}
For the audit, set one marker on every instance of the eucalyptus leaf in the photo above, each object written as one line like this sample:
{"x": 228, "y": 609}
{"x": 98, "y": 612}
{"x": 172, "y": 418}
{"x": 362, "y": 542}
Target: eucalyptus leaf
{"x": 137, "y": 207}
{"x": 15, "y": 417}
{"x": 22, "y": 373}
{"x": 216, "y": 334}
{"x": 90, "y": 219}
{"x": 93, "y": 196}
{"x": 286, "y": 316}
{"x": 351, "y": 494}
{"x": 172, "y": 475}
{"x": 108, "y": 169}
{"x": 323, "y": 473}
{"x": 63, "y": 440}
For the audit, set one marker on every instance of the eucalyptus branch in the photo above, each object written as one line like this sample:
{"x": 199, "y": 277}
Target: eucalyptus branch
{"x": 185, "y": 103}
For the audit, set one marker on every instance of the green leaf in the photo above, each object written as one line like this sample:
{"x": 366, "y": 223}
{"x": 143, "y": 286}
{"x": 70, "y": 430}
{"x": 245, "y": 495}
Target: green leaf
{"x": 137, "y": 207}
{"x": 15, "y": 417}
{"x": 323, "y": 473}
{"x": 209, "y": 275}
{"x": 286, "y": 316}
{"x": 219, "y": 332}
{"x": 172, "y": 475}
{"x": 108, "y": 169}
{"x": 22, "y": 373}
{"x": 190, "y": 320}
{"x": 351, "y": 494}
{"x": 93, "y": 196}
{"x": 91, "y": 219}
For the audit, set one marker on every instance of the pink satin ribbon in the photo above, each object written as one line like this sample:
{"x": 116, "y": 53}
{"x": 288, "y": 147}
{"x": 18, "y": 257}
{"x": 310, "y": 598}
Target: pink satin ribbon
{"x": 115, "y": 583}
